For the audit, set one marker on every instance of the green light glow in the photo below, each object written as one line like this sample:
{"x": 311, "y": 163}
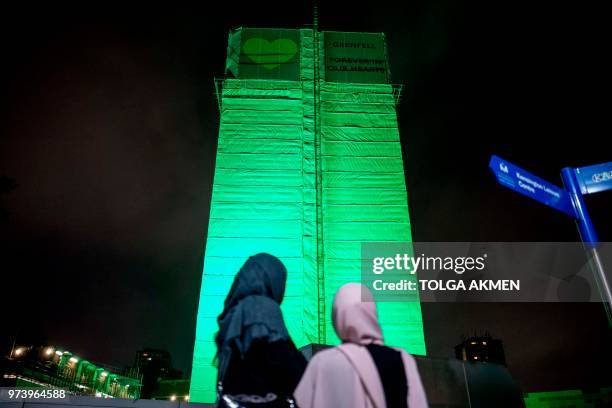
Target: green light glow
{"x": 569, "y": 398}
{"x": 274, "y": 136}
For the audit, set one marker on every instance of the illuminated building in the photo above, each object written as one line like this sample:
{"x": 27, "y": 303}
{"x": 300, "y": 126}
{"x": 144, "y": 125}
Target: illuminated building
{"x": 569, "y": 398}
{"x": 308, "y": 167}
{"x": 481, "y": 349}
{"x": 48, "y": 366}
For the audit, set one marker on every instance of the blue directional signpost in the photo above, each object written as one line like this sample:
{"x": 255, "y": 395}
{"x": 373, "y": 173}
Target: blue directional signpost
{"x": 532, "y": 186}
{"x": 569, "y": 200}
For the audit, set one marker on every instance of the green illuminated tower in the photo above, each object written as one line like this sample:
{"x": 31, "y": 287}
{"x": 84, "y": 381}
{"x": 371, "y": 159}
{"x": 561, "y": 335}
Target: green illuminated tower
{"x": 309, "y": 166}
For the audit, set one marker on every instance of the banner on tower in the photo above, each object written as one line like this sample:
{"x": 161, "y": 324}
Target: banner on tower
{"x": 355, "y": 58}
{"x": 264, "y": 53}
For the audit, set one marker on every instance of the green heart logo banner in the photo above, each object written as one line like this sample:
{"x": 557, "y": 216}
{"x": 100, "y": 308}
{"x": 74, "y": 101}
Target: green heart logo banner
{"x": 269, "y": 54}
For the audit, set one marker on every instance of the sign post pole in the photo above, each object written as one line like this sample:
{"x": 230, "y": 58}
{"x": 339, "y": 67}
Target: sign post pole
{"x": 568, "y": 200}
{"x": 588, "y": 236}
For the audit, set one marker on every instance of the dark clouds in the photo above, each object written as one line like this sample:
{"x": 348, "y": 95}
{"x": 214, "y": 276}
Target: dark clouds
{"x": 109, "y": 126}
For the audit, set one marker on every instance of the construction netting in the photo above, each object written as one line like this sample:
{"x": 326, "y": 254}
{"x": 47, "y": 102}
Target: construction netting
{"x": 306, "y": 170}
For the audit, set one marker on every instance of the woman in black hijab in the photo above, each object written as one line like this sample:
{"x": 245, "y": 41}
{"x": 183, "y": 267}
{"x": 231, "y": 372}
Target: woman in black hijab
{"x": 257, "y": 360}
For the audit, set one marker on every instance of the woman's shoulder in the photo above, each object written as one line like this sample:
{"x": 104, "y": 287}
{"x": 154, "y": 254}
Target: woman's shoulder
{"x": 330, "y": 358}
{"x": 405, "y": 355}
{"x": 280, "y": 349}
{"x": 410, "y": 364}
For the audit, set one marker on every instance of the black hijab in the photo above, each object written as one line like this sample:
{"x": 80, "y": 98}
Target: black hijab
{"x": 252, "y": 308}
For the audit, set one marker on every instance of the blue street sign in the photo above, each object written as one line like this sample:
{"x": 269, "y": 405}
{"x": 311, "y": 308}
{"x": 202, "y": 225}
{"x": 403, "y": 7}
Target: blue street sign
{"x": 594, "y": 179}
{"x": 532, "y": 186}
{"x": 579, "y": 181}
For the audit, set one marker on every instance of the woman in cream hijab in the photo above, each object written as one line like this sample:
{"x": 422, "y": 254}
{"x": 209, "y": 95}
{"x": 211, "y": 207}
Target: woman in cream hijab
{"x": 361, "y": 372}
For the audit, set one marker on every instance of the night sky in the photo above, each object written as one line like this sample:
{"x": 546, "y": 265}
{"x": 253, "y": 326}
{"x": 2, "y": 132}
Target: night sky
{"x": 109, "y": 131}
